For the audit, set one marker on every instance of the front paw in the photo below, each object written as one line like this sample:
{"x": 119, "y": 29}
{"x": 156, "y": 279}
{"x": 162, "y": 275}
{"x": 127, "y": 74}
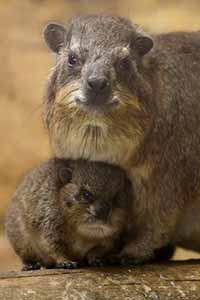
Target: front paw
{"x": 127, "y": 257}
{"x": 135, "y": 254}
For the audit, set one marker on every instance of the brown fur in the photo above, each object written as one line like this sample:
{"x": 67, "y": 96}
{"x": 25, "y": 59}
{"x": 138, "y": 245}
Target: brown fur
{"x": 51, "y": 222}
{"x": 153, "y": 132}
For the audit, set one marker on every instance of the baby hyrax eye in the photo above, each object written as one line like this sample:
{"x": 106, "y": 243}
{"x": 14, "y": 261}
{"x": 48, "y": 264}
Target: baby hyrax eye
{"x": 87, "y": 195}
{"x": 72, "y": 59}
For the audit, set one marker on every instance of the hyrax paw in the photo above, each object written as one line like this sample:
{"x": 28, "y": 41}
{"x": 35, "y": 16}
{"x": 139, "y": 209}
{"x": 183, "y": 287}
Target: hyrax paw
{"x": 67, "y": 265}
{"x": 31, "y": 267}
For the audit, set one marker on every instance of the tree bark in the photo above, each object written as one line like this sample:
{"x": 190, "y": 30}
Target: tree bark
{"x": 174, "y": 280}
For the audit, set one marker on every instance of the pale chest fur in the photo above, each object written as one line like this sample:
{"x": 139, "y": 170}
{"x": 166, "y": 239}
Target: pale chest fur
{"x": 95, "y": 142}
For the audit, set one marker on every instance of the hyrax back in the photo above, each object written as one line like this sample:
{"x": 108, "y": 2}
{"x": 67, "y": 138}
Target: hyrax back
{"x": 68, "y": 210}
{"x": 118, "y": 95}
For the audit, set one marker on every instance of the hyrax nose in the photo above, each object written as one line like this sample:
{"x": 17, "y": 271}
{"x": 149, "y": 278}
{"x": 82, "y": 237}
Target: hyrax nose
{"x": 98, "y": 85}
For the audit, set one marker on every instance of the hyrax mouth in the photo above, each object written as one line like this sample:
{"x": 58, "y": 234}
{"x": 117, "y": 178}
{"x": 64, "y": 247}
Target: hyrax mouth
{"x": 72, "y": 96}
{"x": 95, "y": 105}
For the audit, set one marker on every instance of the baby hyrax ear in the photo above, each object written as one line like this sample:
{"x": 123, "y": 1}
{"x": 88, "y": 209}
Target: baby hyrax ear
{"x": 63, "y": 170}
{"x": 65, "y": 175}
{"x": 142, "y": 42}
{"x": 55, "y": 36}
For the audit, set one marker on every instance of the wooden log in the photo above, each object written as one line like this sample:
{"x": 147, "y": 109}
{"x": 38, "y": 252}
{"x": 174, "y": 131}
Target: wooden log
{"x": 174, "y": 280}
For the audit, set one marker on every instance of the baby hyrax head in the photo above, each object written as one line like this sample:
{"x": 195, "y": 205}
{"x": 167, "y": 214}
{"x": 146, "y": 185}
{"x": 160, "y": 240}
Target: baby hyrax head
{"x": 96, "y": 200}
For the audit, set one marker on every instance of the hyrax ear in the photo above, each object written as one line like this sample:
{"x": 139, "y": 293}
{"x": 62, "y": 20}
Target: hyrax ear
{"x": 143, "y": 42}
{"x": 55, "y": 36}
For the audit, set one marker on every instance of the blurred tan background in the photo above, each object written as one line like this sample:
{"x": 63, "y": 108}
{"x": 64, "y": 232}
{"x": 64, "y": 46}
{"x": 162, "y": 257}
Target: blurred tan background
{"x": 25, "y": 64}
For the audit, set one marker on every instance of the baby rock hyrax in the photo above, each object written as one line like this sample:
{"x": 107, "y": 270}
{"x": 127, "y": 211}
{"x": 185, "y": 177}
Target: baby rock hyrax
{"x": 68, "y": 212}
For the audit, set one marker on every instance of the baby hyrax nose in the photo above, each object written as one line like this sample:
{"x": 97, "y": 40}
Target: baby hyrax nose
{"x": 98, "y": 85}
{"x": 103, "y": 211}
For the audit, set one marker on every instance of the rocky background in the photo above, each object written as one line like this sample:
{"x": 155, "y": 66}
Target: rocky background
{"x": 25, "y": 64}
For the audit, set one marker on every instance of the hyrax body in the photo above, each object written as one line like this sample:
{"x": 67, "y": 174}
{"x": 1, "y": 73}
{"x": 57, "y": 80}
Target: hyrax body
{"x": 65, "y": 212}
{"x": 119, "y": 96}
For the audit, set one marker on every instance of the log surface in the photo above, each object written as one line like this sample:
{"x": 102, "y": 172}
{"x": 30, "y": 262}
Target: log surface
{"x": 174, "y": 280}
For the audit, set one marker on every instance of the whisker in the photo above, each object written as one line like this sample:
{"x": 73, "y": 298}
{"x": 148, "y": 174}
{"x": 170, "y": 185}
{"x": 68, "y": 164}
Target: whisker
{"x": 84, "y": 140}
{"x": 68, "y": 94}
{"x": 96, "y": 137}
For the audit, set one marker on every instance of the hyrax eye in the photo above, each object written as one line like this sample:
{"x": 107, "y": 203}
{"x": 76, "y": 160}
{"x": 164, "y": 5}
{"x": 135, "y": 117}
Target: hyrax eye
{"x": 86, "y": 195}
{"x": 72, "y": 59}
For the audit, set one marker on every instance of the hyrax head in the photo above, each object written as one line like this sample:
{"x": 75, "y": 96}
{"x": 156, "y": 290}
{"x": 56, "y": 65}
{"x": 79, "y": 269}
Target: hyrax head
{"x": 96, "y": 199}
{"x": 96, "y": 65}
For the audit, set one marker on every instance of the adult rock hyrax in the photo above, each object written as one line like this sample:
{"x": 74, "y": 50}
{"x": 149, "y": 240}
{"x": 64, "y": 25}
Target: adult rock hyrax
{"x": 66, "y": 213}
{"x": 120, "y": 96}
